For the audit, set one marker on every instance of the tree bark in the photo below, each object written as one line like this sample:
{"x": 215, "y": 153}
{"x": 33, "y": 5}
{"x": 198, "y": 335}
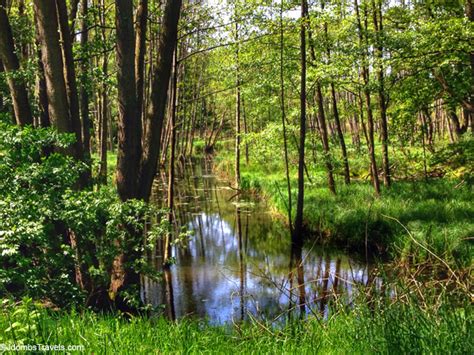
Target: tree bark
{"x": 237, "y": 111}
{"x": 342, "y": 143}
{"x": 171, "y": 170}
{"x": 73, "y": 15}
{"x": 129, "y": 124}
{"x": 103, "y": 132}
{"x": 378, "y": 26}
{"x": 52, "y": 58}
{"x": 71, "y": 84}
{"x": 324, "y": 138}
{"x": 370, "y": 118}
{"x": 322, "y": 118}
{"x": 11, "y": 64}
{"x": 84, "y": 93}
{"x": 140, "y": 41}
{"x": 159, "y": 95}
{"x": 298, "y": 226}
{"x": 283, "y": 121}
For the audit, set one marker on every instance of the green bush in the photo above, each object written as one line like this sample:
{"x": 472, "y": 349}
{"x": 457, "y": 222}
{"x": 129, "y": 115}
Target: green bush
{"x": 49, "y": 229}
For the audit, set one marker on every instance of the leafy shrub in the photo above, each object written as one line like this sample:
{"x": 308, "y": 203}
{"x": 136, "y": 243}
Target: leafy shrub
{"x": 52, "y": 233}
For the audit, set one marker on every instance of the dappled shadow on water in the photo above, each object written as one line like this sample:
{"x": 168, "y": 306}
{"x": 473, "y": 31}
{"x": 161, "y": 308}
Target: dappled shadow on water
{"x": 239, "y": 262}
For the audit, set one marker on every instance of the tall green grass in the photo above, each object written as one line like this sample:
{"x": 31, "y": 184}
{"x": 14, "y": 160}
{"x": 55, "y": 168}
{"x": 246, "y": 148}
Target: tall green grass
{"x": 381, "y": 328}
{"x": 438, "y": 213}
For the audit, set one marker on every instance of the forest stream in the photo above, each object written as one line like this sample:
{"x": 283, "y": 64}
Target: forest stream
{"x": 238, "y": 262}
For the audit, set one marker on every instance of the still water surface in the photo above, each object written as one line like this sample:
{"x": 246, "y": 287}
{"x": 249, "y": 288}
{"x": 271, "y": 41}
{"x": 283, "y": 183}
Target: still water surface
{"x": 239, "y": 262}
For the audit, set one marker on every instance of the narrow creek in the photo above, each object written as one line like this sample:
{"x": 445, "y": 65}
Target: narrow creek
{"x": 238, "y": 262}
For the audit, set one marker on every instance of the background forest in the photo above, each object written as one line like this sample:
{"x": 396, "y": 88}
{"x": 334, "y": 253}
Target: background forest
{"x": 348, "y": 122}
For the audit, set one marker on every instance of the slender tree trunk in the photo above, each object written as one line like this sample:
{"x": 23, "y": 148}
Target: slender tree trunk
{"x": 43, "y": 119}
{"x": 378, "y": 26}
{"x": 11, "y": 64}
{"x": 370, "y": 119}
{"x": 322, "y": 119}
{"x": 283, "y": 120}
{"x": 83, "y": 91}
{"x": 70, "y": 79}
{"x": 342, "y": 143}
{"x": 74, "y": 4}
{"x": 171, "y": 169}
{"x": 2, "y": 104}
{"x": 104, "y": 126}
{"x": 470, "y": 15}
{"x": 244, "y": 116}
{"x": 324, "y": 138}
{"x": 102, "y": 174}
{"x": 159, "y": 95}
{"x": 140, "y": 49}
{"x": 237, "y": 112}
{"x": 298, "y": 226}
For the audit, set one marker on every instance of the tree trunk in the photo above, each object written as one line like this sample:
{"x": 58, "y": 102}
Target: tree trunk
{"x": 70, "y": 78}
{"x": 159, "y": 96}
{"x": 73, "y": 15}
{"x": 103, "y": 133}
{"x": 342, "y": 143}
{"x": 298, "y": 226}
{"x": 237, "y": 112}
{"x": 324, "y": 138}
{"x": 104, "y": 117}
{"x": 52, "y": 58}
{"x": 322, "y": 118}
{"x": 283, "y": 120}
{"x": 84, "y": 93}
{"x": 171, "y": 170}
{"x": 370, "y": 119}
{"x": 129, "y": 124}
{"x": 2, "y": 104}
{"x": 43, "y": 119}
{"x": 140, "y": 41}
{"x": 378, "y": 26}
{"x": 18, "y": 91}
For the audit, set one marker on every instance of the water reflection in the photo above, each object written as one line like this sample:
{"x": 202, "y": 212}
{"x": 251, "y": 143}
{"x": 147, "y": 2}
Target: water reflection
{"x": 240, "y": 262}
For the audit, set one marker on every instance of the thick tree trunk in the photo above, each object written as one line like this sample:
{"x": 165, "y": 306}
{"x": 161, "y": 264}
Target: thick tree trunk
{"x": 159, "y": 97}
{"x": 129, "y": 124}
{"x": 18, "y": 91}
{"x": 69, "y": 70}
{"x": 52, "y": 58}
